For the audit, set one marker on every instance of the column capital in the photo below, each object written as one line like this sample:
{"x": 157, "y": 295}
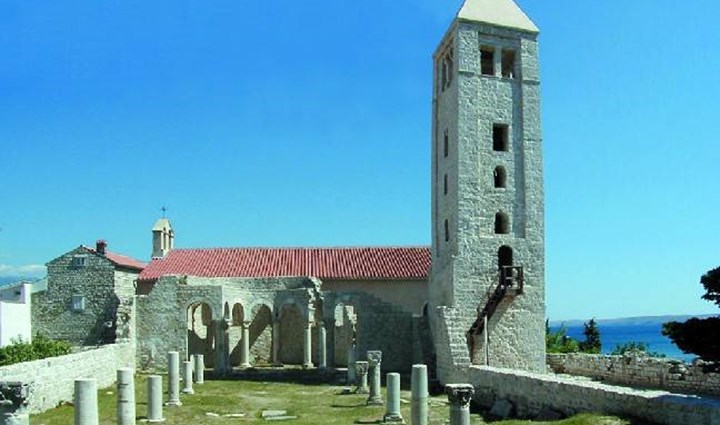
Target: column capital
{"x": 246, "y": 323}
{"x": 374, "y": 357}
{"x": 361, "y": 368}
{"x": 459, "y": 394}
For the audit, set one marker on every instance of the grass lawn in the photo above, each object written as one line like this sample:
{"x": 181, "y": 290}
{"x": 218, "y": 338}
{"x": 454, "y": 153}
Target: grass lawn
{"x": 312, "y": 404}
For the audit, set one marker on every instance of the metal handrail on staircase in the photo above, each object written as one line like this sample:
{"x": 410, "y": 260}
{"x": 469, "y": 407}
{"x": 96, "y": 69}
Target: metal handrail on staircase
{"x": 510, "y": 282}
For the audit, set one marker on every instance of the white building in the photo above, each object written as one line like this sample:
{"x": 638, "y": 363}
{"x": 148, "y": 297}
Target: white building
{"x": 15, "y": 310}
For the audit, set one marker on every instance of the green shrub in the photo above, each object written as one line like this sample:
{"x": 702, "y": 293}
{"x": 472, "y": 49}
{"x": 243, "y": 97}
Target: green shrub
{"x": 635, "y": 347}
{"x": 559, "y": 342}
{"x": 41, "y": 347}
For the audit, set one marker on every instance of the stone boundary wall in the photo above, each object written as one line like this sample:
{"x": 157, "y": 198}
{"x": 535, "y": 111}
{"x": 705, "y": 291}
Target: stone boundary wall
{"x": 531, "y": 393}
{"x": 52, "y": 379}
{"x": 639, "y": 371}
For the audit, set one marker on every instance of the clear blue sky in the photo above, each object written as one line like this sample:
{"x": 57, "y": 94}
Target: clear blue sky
{"x": 281, "y": 123}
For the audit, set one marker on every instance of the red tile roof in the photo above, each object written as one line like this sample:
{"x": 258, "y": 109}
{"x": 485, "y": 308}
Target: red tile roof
{"x": 374, "y": 263}
{"x": 121, "y": 260}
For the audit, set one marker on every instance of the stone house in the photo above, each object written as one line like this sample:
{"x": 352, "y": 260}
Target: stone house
{"x": 86, "y": 288}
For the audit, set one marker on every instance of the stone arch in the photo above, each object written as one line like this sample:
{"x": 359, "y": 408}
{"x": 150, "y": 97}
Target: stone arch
{"x": 261, "y": 334}
{"x": 200, "y": 337}
{"x": 345, "y": 313}
{"x": 502, "y": 223}
{"x": 236, "y": 319}
{"x": 293, "y": 320}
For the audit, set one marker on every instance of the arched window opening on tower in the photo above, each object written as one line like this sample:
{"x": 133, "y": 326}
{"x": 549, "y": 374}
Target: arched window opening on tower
{"x": 505, "y": 257}
{"x": 447, "y": 231}
{"x": 508, "y": 63}
{"x": 500, "y": 138}
{"x": 500, "y": 177}
{"x": 487, "y": 60}
{"x": 502, "y": 224}
{"x": 445, "y": 144}
{"x": 447, "y": 69}
{"x": 445, "y": 184}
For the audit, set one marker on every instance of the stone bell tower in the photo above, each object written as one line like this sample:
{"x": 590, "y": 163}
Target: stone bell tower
{"x": 163, "y": 238}
{"x": 487, "y": 289}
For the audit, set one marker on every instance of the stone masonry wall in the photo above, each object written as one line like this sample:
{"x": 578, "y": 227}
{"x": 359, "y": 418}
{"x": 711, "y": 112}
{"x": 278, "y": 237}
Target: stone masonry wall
{"x": 530, "y": 393}
{"x": 52, "y": 380}
{"x": 52, "y": 312}
{"x": 639, "y": 371}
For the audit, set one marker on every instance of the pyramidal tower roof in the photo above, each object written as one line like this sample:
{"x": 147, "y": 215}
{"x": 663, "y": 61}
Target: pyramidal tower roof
{"x": 504, "y": 13}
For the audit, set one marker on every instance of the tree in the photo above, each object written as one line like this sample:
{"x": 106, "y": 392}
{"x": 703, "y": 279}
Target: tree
{"x": 700, "y": 336}
{"x": 591, "y": 344}
{"x": 559, "y": 342}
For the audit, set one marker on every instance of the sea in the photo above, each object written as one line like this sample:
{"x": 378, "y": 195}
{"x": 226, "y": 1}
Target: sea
{"x": 612, "y": 335}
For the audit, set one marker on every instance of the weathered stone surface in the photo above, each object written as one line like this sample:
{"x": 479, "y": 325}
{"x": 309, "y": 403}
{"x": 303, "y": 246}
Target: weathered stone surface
{"x": 85, "y": 402}
{"x": 465, "y": 263}
{"x": 502, "y": 409}
{"x": 548, "y": 415}
{"x": 392, "y": 411}
{"x": 639, "y": 371}
{"x": 459, "y": 396}
{"x": 154, "y": 399}
{"x": 173, "y": 379}
{"x": 125, "y": 396}
{"x": 374, "y": 366}
{"x": 187, "y": 377}
{"x": 420, "y": 395}
{"x": 361, "y": 372}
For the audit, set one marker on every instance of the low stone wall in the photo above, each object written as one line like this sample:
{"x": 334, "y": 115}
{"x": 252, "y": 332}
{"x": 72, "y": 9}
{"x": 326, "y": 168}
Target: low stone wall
{"x": 639, "y": 371}
{"x": 52, "y": 379}
{"x": 532, "y": 393}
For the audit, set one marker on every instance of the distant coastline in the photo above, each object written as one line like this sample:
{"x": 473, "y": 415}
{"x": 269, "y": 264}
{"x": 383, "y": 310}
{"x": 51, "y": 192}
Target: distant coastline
{"x": 647, "y": 329}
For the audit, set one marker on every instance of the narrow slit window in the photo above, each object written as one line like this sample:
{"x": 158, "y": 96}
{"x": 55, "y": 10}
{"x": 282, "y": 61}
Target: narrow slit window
{"x": 502, "y": 224}
{"x": 445, "y": 144}
{"x": 508, "y": 63}
{"x": 443, "y": 75}
{"x": 445, "y": 185}
{"x": 447, "y": 231}
{"x": 500, "y": 138}
{"x": 500, "y": 177}
{"x": 449, "y": 65}
{"x": 487, "y": 60}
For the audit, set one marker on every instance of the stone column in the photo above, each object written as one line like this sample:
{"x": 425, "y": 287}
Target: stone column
{"x": 276, "y": 343}
{"x": 245, "y": 346}
{"x": 374, "y": 361}
{"x": 154, "y": 399}
{"x": 497, "y": 61}
{"x": 351, "y": 370}
{"x": 187, "y": 378}
{"x": 392, "y": 411}
{"x": 361, "y": 371}
{"x": 322, "y": 346}
{"x": 419, "y": 383}
{"x": 173, "y": 362}
{"x": 307, "y": 347}
{"x": 330, "y": 343}
{"x": 125, "y": 396}
{"x": 86, "y": 402}
{"x": 459, "y": 396}
{"x": 222, "y": 354}
{"x": 199, "y": 368}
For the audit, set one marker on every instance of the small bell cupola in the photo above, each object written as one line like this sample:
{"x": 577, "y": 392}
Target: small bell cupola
{"x": 163, "y": 238}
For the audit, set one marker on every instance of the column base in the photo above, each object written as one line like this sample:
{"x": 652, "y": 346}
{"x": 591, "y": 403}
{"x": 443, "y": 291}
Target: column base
{"x": 362, "y": 390}
{"x": 245, "y": 366}
{"x": 374, "y": 401}
{"x": 308, "y": 366}
{"x": 393, "y": 418}
{"x": 278, "y": 364}
{"x": 173, "y": 403}
{"x": 153, "y": 420}
{"x": 188, "y": 391}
